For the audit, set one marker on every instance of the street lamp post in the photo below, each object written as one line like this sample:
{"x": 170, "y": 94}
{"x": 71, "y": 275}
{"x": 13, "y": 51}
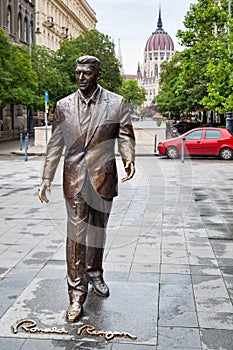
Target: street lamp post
{"x": 229, "y": 119}
{"x": 30, "y": 42}
{"x": 30, "y": 38}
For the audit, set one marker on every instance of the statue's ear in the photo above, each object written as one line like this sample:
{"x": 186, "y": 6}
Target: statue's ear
{"x": 98, "y": 77}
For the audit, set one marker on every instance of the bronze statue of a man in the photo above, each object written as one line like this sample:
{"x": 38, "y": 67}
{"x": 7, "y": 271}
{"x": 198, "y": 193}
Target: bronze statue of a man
{"x": 88, "y": 123}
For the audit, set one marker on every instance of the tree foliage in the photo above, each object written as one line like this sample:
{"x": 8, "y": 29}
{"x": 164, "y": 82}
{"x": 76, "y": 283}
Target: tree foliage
{"x": 24, "y": 79}
{"x": 96, "y": 44}
{"x": 204, "y": 79}
{"x": 46, "y": 65}
{"x": 18, "y": 80}
{"x": 172, "y": 96}
{"x": 132, "y": 92}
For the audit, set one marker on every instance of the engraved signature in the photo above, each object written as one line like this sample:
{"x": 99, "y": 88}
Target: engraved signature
{"x": 30, "y": 326}
{"x": 108, "y": 335}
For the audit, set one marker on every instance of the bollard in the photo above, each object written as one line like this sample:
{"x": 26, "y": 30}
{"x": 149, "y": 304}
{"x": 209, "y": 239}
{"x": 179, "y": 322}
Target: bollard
{"x": 182, "y": 150}
{"x": 229, "y": 122}
{"x": 26, "y": 148}
{"x": 20, "y": 141}
{"x": 155, "y": 144}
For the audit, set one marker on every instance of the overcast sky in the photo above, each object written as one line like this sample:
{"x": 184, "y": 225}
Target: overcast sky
{"x": 133, "y": 21}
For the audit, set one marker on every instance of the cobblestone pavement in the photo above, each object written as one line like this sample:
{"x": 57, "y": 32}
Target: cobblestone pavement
{"x": 168, "y": 259}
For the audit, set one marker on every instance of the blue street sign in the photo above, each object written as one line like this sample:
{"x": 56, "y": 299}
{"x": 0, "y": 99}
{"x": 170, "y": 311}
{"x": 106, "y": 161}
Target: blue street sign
{"x": 46, "y": 96}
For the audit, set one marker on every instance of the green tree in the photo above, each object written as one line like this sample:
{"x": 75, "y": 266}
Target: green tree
{"x": 18, "y": 81}
{"x": 200, "y": 76}
{"x": 171, "y": 97}
{"x": 93, "y": 43}
{"x": 220, "y": 67}
{"x": 205, "y": 55}
{"x": 50, "y": 78}
{"x": 132, "y": 92}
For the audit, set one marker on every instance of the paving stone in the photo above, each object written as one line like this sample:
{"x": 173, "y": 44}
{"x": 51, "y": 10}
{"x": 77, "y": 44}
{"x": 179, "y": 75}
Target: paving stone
{"x": 205, "y": 270}
{"x": 175, "y": 268}
{"x": 213, "y": 304}
{"x": 178, "y": 279}
{"x": 146, "y": 277}
{"x": 177, "y": 311}
{"x": 227, "y": 270}
{"x": 174, "y": 258}
{"x": 178, "y": 338}
{"x": 64, "y": 345}
{"x": 217, "y": 339}
{"x": 133, "y": 347}
{"x": 225, "y": 262}
{"x": 203, "y": 261}
{"x": 176, "y": 290}
{"x": 145, "y": 267}
{"x": 212, "y": 286}
{"x": 216, "y": 320}
{"x": 12, "y": 344}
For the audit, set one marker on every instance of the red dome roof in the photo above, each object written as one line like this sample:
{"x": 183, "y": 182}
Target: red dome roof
{"x": 159, "y": 40}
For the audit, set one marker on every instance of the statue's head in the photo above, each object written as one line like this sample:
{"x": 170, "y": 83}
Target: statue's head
{"x": 88, "y": 73}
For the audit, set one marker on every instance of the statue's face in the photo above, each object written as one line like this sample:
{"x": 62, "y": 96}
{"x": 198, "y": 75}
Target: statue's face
{"x": 87, "y": 78}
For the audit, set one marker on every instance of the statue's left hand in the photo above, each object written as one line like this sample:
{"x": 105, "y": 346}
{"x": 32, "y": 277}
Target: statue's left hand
{"x": 130, "y": 171}
{"x": 45, "y": 186}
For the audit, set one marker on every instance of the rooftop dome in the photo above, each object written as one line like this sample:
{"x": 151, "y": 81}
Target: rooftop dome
{"x": 159, "y": 40}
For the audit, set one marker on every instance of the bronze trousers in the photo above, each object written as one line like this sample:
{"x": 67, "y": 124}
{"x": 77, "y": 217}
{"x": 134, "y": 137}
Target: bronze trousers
{"x": 87, "y": 217}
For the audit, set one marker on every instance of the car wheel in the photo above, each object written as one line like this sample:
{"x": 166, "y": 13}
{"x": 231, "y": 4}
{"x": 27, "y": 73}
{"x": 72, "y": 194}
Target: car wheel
{"x": 172, "y": 152}
{"x": 226, "y": 153}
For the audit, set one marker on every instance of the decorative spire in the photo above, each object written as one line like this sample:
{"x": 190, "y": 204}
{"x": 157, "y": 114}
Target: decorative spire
{"x": 139, "y": 74}
{"x": 119, "y": 56}
{"x": 160, "y": 24}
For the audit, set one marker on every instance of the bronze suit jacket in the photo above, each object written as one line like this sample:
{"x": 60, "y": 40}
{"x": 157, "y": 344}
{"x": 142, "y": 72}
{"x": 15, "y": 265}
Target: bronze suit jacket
{"x": 95, "y": 155}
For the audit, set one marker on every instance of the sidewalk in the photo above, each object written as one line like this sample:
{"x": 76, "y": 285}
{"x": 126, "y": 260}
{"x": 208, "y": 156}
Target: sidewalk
{"x": 168, "y": 259}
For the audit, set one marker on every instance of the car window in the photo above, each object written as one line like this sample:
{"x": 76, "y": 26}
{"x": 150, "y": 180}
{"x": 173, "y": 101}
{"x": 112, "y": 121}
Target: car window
{"x": 212, "y": 134}
{"x": 195, "y": 135}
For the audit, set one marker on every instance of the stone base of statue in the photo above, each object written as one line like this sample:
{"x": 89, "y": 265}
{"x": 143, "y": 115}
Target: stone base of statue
{"x": 147, "y": 135}
{"x": 42, "y": 135}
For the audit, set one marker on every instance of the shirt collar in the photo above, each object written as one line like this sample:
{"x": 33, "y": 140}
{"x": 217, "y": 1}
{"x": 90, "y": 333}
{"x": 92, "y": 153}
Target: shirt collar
{"x": 93, "y": 98}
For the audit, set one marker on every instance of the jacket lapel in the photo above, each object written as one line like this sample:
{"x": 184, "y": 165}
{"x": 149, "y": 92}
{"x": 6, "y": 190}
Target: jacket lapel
{"x": 76, "y": 114}
{"x": 98, "y": 115}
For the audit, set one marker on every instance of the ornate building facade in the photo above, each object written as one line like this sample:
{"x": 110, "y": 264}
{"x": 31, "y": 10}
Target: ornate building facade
{"x": 57, "y": 20}
{"x": 17, "y": 18}
{"x": 159, "y": 47}
{"x": 45, "y": 23}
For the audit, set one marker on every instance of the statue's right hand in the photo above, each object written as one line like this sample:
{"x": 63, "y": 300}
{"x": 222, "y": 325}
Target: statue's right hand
{"x": 45, "y": 186}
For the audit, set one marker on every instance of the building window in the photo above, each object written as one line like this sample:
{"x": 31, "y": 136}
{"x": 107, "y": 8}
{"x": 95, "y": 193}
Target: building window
{"x": 20, "y": 27}
{"x": 25, "y": 30}
{"x": 9, "y": 20}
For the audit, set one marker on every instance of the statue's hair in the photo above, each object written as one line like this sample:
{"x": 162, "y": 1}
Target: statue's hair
{"x": 92, "y": 60}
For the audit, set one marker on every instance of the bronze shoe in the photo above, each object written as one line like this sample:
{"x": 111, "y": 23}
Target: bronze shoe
{"x": 74, "y": 312}
{"x": 99, "y": 286}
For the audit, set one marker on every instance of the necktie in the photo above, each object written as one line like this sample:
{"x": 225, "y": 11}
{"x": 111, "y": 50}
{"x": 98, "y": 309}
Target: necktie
{"x": 85, "y": 120}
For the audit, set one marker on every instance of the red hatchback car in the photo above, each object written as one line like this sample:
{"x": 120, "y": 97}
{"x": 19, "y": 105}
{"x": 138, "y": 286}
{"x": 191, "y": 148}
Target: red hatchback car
{"x": 206, "y": 141}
